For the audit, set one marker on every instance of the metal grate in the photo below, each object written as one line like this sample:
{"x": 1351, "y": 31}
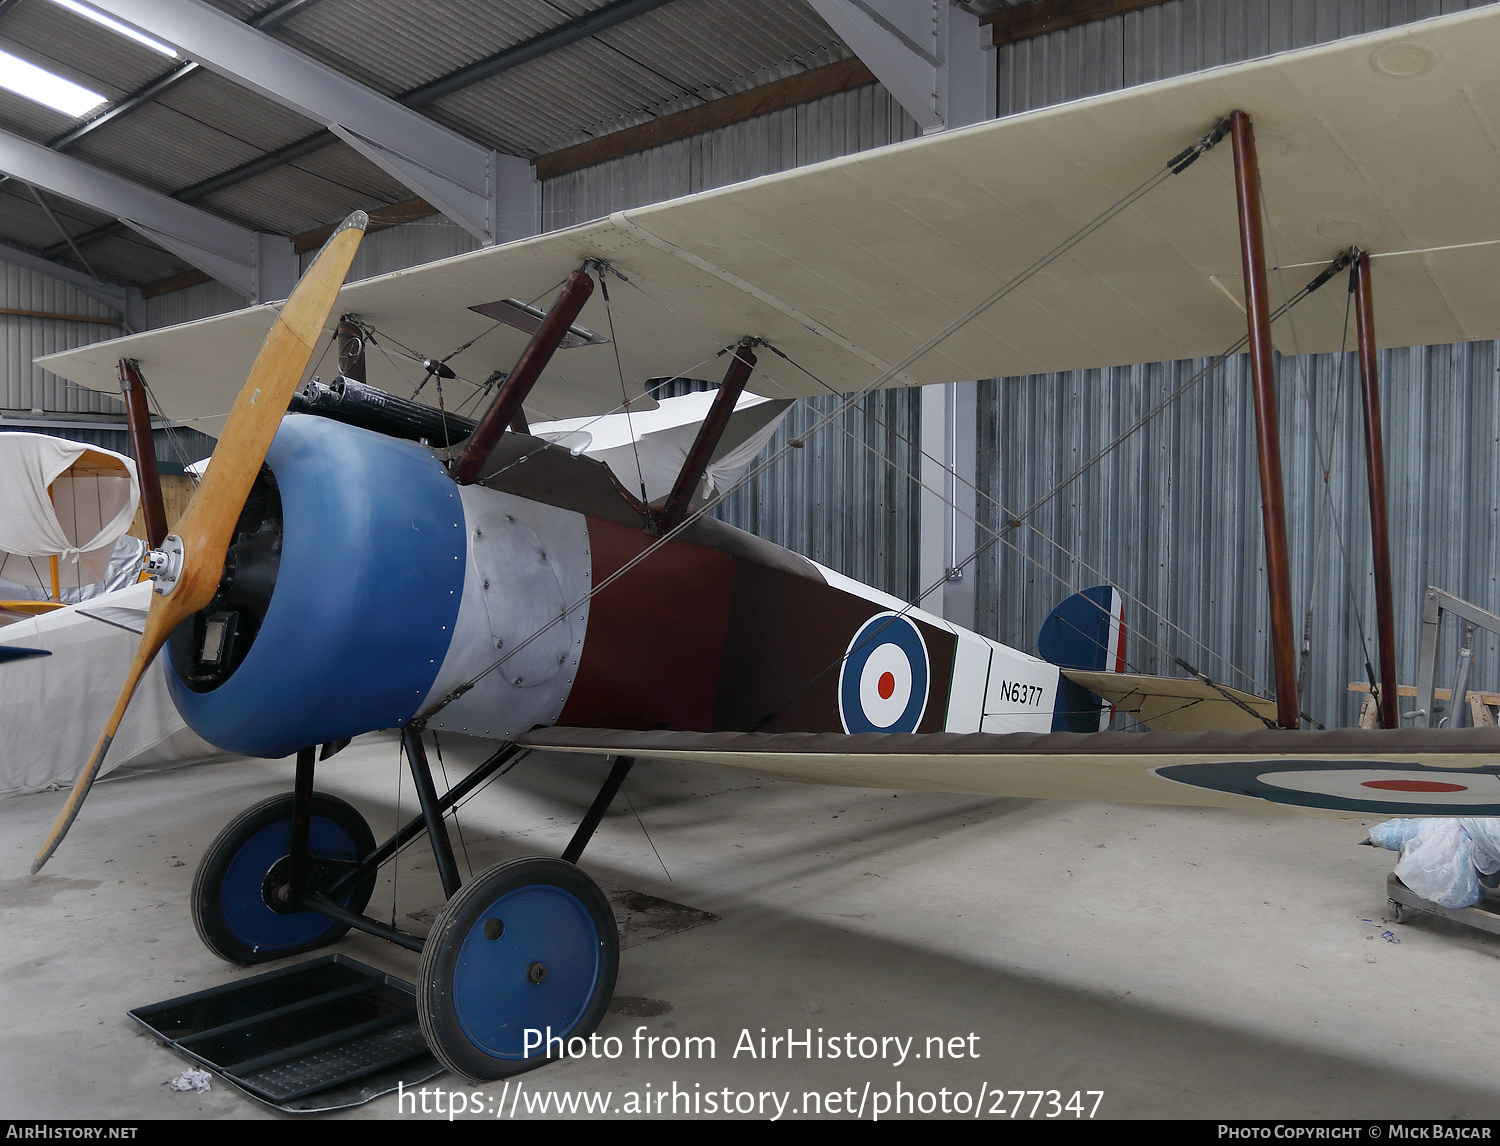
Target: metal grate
{"x": 320, "y": 1035}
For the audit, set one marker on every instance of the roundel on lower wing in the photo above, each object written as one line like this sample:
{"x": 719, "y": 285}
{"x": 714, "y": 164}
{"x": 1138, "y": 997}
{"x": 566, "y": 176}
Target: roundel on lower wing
{"x": 884, "y": 678}
{"x": 1352, "y": 785}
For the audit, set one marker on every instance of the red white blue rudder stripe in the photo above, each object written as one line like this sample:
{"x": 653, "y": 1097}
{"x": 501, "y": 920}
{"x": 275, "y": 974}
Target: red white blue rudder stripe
{"x": 1086, "y": 631}
{"x": 884, "y": 680}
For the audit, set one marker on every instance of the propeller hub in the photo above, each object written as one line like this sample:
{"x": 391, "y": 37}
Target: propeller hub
{"x": 164, "y": 565}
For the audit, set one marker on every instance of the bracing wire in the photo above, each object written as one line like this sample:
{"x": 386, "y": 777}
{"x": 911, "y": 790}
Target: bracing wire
{"x": 624, "y": 393}
{"x": 1011, "y": 520}
{"x": 1176, "y": 164}
{"x": 1327, "y": 511}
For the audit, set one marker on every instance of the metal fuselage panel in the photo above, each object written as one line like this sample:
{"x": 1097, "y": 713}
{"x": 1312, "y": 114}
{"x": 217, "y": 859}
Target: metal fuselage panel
{"x": 522, "y": 617}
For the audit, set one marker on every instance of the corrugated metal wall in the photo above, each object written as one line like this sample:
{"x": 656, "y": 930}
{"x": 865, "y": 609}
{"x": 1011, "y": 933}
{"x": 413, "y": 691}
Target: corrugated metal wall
{"x": 1172, "y": 516}
{"x": 824, "y": 129}
{"x": 175, "y": 448}
{"x": 842, "y": 498}
{"x": 837, "y": 500}
{"x": 23, "y": 385}
{"x": 191, "y": 303}
{"x": 1186, "y": 36}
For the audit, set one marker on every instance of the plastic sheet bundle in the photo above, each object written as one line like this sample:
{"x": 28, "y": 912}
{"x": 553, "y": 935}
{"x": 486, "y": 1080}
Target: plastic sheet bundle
{"x": 1442, "y": 858}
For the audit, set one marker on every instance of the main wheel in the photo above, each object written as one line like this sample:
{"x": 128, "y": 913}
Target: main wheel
{"x": 236, "y": 889}
{"x": 526, "y": 946}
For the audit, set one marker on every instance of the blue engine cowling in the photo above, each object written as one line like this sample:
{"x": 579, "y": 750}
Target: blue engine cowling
{"x": 365, "y": 601}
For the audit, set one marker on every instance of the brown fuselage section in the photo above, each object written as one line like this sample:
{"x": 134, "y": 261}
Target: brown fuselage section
{"x": 697, "y": 640}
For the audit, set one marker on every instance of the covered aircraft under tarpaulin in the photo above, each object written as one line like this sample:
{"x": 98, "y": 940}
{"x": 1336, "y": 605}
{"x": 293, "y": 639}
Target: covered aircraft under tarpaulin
{"x": 65, "y": 506}
{"x": 332, "y": 579}
{"x": 68, "y": 574}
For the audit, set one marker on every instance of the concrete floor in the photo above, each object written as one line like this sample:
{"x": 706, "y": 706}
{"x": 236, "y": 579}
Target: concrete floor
{"x": 1185, "y": 963}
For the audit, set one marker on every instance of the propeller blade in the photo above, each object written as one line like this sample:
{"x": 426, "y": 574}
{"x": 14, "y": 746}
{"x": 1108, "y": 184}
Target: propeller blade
{"x": 206, "y": 529}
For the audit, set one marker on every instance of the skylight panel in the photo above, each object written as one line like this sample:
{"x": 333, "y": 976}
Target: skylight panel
{"x": 39, "y": 84}
{"x": 116, "y": 26}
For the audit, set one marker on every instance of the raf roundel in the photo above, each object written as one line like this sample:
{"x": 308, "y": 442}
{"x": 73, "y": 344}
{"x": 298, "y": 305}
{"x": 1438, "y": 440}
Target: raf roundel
{"x": 884, "y": 678}
{"x": 1378, "y": 787}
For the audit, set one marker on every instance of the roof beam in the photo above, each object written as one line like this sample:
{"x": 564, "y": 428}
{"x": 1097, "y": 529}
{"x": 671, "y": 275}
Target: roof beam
{"x": 533, "y": 49}
{"x": 1042, "y": 16}
{"x": 112, "y": 296}
{"x": 935, "y": 58}
{"x": 799, "y": 89}
{"x": 549, "y": 41}
{"x": 258, "y": 265}
{"x": 490, "y": 195}
{"x": 272, "y": 17}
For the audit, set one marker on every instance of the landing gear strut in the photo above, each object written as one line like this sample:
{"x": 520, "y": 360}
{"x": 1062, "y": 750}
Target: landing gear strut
{"x": 527, "y": 949}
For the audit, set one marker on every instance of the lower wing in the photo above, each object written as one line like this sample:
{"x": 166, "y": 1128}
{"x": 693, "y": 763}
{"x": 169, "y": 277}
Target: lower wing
{"x": 1351, "y": 772}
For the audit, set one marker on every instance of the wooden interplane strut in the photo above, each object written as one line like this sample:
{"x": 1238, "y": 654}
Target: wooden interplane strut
{"x": 351, "y": 338}
{"x": 143, "y": 445}
{"x": 1380, "y": 536}
{"x": 1267, "y": 431}
{"x": 507, "y": 404}
{"x": 696, "y": 463}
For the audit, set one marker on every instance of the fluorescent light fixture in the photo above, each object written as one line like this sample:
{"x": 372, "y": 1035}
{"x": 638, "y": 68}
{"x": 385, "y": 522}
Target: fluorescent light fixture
{"x": 41, "y": 85}
{"x": 116, "y": 26}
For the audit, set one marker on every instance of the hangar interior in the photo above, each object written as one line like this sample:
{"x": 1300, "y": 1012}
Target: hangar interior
{"x": 1185, "y": 962}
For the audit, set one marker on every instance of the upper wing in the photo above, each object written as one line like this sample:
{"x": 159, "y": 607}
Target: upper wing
{"x": 1356, "y": 772}
{"x": 1388, "y": 141}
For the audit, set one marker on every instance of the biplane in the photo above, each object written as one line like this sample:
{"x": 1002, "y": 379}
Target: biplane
{"x": 397, "y": 567}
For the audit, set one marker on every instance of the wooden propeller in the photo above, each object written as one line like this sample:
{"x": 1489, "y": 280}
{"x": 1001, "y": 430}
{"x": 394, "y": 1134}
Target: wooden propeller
{"x": 207, "y": 528}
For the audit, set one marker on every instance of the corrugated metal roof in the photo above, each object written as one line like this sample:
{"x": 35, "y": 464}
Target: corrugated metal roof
{"x": 128, "y": 249}
{"x": 28, "y": 223}
{"x": 80, "y": 50}
{"x": 225, "y": 106}
{"x": 24, "y": 386}
{"x": 673, "y": 57}
{"x": 243, "y": 9}
{"x": 394, "y": 48}
{"x": 317, "y": 189}
{"x": 162, "y": 149}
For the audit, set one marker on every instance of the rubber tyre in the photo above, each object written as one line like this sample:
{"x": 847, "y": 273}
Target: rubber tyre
{"x": 229, "y": 909}
{"x": 476, "y": 990}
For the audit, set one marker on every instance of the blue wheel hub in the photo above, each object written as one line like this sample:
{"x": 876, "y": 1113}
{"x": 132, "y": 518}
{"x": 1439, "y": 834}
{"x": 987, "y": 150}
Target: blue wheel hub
{"x": 241, "y": 896}
{"x": 530, "y": 962}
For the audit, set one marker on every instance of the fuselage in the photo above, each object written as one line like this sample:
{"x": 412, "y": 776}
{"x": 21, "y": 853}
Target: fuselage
{"x": 540, "y": 597}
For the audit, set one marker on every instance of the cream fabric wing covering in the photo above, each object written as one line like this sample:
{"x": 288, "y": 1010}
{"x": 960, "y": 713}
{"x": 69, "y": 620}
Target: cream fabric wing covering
{"x": 650, "y": 448}
{"x": 64, "y": 499}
